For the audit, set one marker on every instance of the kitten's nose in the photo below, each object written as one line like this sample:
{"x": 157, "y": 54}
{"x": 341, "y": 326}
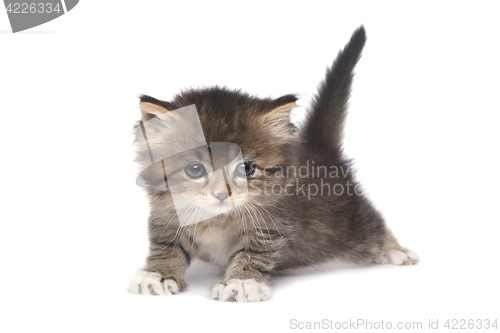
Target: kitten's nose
{"x": 220, "y": 195}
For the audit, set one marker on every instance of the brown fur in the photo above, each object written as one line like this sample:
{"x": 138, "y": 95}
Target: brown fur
{"x": 267, "y": 231}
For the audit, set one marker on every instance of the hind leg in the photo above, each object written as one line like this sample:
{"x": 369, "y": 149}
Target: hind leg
{"x": 393, "y": 253}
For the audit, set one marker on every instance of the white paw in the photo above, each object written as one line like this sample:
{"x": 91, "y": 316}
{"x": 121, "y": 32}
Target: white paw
{"x": 237, "y": 290}
{"x": 150, "y": 283}
{"x": 397, "y": 258}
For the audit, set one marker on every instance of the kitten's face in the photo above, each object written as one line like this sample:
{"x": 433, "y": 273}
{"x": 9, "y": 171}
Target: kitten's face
{"x": 218, "y": 158}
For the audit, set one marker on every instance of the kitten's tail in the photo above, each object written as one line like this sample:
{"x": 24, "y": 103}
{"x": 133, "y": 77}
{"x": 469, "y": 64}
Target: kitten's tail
{"x": 324, "y": 125}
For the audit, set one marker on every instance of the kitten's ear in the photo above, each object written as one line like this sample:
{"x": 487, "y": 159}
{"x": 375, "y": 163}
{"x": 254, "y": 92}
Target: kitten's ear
{"x": 151, "y": 108}
{"x": 150, "y": 111}
{"x": 280, "y": 113}
{"x": 282, "y": 110}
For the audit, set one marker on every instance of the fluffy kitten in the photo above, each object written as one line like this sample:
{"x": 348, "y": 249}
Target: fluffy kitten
{"x": 232, "y": 181}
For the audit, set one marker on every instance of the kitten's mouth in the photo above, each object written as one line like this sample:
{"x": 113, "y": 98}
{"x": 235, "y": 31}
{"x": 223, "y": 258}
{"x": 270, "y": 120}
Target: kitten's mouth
{"x": 221, "y": 207}
{"x": 223, "y": 204}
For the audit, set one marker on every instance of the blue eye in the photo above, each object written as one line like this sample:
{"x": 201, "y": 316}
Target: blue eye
{"x": 244, "y": 170}
{"x": 195, "y": 171}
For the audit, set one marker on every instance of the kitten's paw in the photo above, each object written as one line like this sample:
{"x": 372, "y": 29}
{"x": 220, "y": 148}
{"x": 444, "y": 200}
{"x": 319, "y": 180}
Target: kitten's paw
{"x": 237, "y": 290}
{"x": 397, "y": 257}
{"x": 150, "y": 283}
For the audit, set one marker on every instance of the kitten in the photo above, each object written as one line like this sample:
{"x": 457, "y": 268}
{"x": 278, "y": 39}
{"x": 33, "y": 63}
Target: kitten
{"x": 233, "y": 182}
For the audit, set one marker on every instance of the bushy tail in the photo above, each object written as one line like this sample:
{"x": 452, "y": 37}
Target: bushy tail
{"x": 323, "y": 128}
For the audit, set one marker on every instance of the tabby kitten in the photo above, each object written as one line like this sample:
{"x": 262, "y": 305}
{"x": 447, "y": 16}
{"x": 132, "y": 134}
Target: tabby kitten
{"x": 233, "y": 182}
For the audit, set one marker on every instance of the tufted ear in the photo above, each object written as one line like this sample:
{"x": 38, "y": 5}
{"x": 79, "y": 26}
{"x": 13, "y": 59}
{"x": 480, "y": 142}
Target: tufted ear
{"x": 283, "y": 109}
{"x": 152, "y": 108}
{"x": 277, "y": 118}
{"x": 280, "y": 115}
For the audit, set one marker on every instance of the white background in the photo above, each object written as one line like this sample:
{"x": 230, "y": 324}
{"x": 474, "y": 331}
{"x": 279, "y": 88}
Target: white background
{"x": 423, "y": 128}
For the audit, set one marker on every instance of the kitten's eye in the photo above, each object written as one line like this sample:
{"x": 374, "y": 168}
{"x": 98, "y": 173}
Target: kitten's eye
{"x": 244, "y": 170}
{"x": 195, "y": 171}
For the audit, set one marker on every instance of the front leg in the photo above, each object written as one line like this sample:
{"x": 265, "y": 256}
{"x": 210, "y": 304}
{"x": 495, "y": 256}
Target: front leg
{"x": 246, "y": 278}
{"x": 164, "y": 271}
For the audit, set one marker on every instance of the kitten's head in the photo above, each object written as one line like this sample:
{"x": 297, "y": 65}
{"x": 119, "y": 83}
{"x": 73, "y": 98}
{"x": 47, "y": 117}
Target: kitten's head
{"x": 215, "y": 151}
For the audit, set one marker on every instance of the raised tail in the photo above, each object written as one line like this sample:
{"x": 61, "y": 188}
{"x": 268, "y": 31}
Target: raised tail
{"x": 324, "y": 125}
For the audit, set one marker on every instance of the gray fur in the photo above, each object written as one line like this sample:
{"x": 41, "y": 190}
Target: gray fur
{"x": 271, "y": 231}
